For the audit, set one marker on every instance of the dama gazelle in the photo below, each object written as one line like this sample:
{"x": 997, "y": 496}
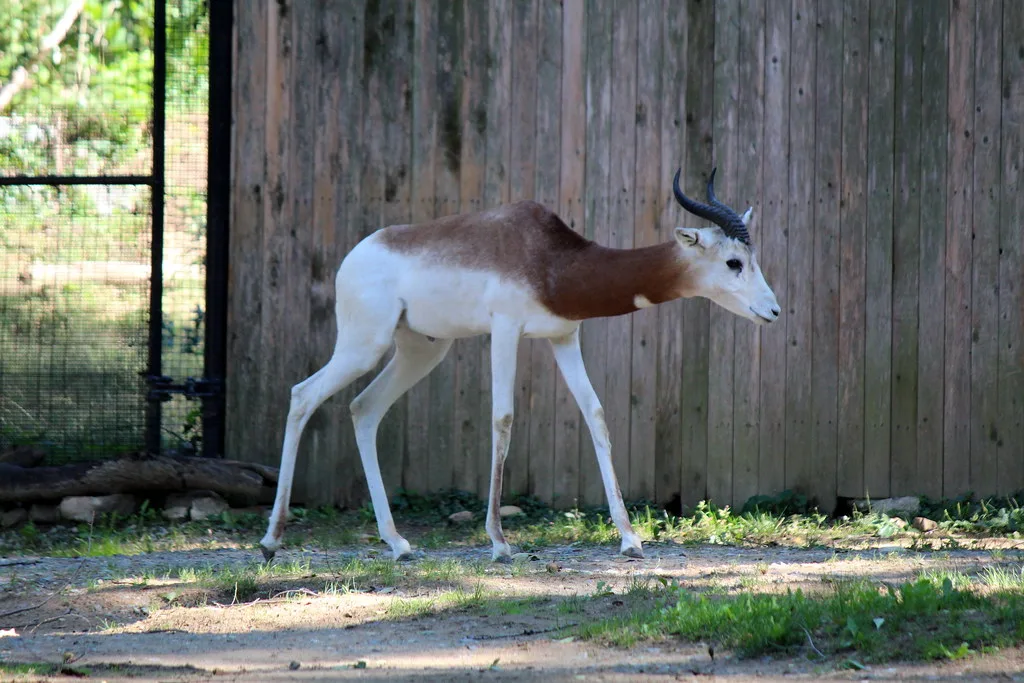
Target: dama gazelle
{"x": 515, "y": 271}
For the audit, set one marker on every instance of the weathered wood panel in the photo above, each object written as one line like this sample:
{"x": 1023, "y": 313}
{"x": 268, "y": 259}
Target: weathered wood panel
{"x": 541, "y": 407}
{"x": 879, "y": 143}
{"x": 800, "y": 467}
{"x": 572, "y": 165}
{"x": 647, "y": 232}
{"x": 931, "y": 252}
{"x": 852, "y": 218}
{"x": 825, "y": 302}
{"x": 767, "y": 440}
{"x": 695, "y": 328}
{"x": 594, "y": 333}
{"x": 523, "y": 185}
{"x": 721, "y": 361}
{"x": 905, "y": 266}
{"x": 956, "y": 418}
{"x": 985, "y": 254}
{"x": 243, "y": 400}
{"x": 878, "y": 250}
{"x": 668, "y": 457}
{"x": 1010, "y": 432}
{"x": 472, "y": 427}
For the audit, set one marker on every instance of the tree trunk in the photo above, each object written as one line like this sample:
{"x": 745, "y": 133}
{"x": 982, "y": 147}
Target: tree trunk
{"x": 240, "y": 483}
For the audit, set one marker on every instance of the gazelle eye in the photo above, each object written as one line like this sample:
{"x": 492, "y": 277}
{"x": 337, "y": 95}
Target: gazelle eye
{"x": 734, "y": 264}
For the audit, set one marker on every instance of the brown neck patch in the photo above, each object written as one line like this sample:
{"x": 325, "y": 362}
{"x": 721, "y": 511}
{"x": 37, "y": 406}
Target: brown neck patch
{"x": 601, "y": 282}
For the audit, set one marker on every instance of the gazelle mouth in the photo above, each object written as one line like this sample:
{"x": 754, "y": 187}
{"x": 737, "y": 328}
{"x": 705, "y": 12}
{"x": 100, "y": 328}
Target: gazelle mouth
{"x": 762, "y": 318}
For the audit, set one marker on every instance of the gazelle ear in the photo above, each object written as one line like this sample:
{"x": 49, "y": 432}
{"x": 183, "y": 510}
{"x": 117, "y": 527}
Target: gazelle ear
{"x": 689, "y": 237}
{"x": 746, "y": 216}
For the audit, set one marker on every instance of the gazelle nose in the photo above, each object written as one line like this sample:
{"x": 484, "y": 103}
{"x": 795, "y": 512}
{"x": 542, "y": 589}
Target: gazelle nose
{"x": 776, "y": 311}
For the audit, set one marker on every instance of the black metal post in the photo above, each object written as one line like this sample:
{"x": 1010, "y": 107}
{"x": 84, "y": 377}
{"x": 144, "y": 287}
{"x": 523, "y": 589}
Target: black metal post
{"x": 218, "y": 215}
{"x": 156, "y": 289}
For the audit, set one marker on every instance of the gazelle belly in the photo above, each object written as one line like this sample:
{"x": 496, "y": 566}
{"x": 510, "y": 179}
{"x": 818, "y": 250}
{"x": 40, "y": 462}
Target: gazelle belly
{"x": 454, "y": 303}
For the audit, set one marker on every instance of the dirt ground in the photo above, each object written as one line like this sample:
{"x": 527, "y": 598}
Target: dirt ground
{"x": 121, "y": 628}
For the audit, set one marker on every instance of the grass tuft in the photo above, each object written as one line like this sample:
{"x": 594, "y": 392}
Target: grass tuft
{"x": 926, "y": 619}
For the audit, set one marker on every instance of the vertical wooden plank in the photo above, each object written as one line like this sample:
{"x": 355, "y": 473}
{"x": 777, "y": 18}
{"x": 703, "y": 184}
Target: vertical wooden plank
{"x": 416, "y": 473}
{"x": 932, "y": 251}
{"x": 542, "y": 364}
{"x": 245, "y": 278}
{"x": 906, "y": 221}
{"x": 523, "y": 180}
{"x": 825, "y": 297}
{"x": 668, "y": 402}
{"x": 345, "y": 232}
{"x": 275, "y": 379}
{"x": 720, "y": 377}
{"x": 448, "y": 72}
{"x": 572, "y": 171}
{"x": 699, "y": 113}
{"x": 621, "y": 197}
{"x": 800, "y": 463}
{"x": 327, "y": 205}
{"x": 378, "y": 17}
{"x": 852, "y": 218}
{"x": 988, "y": 46}
{"x": 763, "y": 75}
{"x": 647, "y": 231}
{"x": 396, "y": 108}
{"x": 594, "y": 333}
{"x": 496, "y": 181}
{"x": 1010, "y": 439}
{"x": 469, "y": 429}
{"x": 299, "y": 280}
{"x": 878, "y": 250}
{"x": 956, "y": 420}
{"x": 767, "y": 445}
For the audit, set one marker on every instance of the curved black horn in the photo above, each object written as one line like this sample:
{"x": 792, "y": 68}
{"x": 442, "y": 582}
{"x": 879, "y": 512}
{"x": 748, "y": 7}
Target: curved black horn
{"x": 717, "y": 212}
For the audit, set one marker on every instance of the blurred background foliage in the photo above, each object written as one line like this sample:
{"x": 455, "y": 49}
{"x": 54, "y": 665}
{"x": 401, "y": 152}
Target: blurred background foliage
{"x": 76, "y": 98}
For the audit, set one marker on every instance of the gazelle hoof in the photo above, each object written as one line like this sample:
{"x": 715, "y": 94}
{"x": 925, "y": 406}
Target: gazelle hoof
{"x": 407, "y": 556}
{"x": 268, "y": 554}
{"x": 634, "y": 551}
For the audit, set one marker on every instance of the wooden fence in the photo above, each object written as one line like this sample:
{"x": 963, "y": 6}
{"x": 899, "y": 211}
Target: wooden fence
{"x": 880, "y": 144}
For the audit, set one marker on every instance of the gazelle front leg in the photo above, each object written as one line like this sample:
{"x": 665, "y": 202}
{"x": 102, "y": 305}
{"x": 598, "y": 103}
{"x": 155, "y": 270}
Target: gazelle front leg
{"x": 569, "y": 358}
{"x": 504, "y": 343}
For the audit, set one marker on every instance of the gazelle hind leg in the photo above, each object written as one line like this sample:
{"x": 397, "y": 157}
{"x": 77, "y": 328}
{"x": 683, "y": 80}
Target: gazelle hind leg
{"x": 354, "y": 355}
{"x": 504, "y": 342}
{"x": 415, "y": 356}
{"x": 570, "y": 361}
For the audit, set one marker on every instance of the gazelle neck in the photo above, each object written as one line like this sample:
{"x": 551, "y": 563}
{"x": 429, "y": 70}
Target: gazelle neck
{"x": 601, "y": 282}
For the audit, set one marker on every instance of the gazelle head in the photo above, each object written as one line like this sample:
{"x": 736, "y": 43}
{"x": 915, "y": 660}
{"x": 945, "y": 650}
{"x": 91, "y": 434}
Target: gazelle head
{"x": 722, "y": 263}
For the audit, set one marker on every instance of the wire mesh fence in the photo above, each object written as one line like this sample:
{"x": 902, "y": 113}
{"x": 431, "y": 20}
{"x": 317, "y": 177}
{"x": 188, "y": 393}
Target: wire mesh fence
{"x": 77, "y": 134}
{"x": 184, "y": 262}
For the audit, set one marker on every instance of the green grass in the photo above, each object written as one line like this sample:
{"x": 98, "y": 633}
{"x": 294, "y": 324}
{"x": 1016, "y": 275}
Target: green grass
{"x": 424, "y": 521}
{"x": 925, "y": 619}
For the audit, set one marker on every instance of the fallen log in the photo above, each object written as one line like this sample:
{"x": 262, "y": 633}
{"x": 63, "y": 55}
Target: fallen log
{"x": 240, "y": 483}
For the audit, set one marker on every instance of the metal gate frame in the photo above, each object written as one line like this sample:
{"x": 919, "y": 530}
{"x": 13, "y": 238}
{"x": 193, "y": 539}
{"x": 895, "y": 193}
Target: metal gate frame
{"x": 209, "y": 388}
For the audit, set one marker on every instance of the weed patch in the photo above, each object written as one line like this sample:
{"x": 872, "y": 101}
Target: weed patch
{"x": 925, "y": 619}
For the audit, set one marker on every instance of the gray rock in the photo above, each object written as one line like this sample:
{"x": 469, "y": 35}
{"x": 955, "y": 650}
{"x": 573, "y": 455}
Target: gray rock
{"x": 44, "y": 514}
{"x": 13, "y": 517}
{"x": 175, "y": 513}
{"x": 460, "y": 517}
{"x": 908, "y": 505}
{"x": 86, "y": 508}
{"x": 510, "y": 510}
{"x": 207, "y": 506}
{"x": 924, "y": 524}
